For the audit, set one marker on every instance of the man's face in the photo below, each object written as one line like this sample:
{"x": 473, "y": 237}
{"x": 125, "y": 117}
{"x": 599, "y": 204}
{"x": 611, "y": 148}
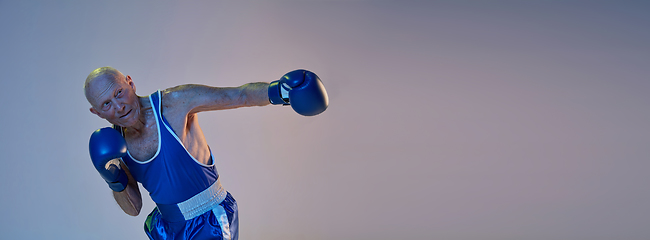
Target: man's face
{"x": 114, "y": 100}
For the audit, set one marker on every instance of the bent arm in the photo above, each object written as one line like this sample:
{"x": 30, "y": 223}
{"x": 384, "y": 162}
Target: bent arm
{"x": 130, "y": 199}
{"x": 196, "y": 98}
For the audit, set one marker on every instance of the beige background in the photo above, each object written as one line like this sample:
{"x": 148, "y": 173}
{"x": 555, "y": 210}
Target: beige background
{"x": 447, "y": 120}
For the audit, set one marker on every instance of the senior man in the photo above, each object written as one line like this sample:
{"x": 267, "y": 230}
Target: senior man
{"x": 156, "y": 140}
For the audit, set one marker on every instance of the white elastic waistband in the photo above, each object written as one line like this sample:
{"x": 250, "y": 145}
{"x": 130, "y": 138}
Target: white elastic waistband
{"x": 196, "y": 205}
{"x": 203, "y": 202}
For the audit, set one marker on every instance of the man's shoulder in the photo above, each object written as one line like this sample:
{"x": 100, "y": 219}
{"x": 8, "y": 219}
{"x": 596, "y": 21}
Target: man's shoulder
{"x": 175, "y": 99}
{"x": 179, "y": 92}
{"x": 171, "y": 95}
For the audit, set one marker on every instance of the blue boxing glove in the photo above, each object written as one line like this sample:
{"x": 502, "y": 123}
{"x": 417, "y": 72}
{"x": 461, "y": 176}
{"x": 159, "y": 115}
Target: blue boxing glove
{"x": 107, "y": 146}
{"x": 301, "y": 89}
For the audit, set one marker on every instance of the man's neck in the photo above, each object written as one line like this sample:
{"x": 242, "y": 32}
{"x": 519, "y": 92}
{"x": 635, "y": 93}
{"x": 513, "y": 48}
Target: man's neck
{"x": 141, "y": 125}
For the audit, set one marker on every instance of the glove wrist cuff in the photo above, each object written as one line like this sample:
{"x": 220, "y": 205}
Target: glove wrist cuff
{"x": 275, "y": 96}
{"x": 120, "y": 184}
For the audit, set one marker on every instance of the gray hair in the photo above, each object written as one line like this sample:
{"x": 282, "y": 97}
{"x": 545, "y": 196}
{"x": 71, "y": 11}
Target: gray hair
{"x": 102, "y": 72}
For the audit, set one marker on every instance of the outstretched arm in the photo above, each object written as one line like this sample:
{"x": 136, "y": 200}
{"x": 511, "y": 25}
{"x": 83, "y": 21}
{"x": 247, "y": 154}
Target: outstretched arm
{"x": 301, "y": 89}
{"x": 194, "y": 98}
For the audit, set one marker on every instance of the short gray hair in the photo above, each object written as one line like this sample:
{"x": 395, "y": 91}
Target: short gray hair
{"x": 102, "y": 72}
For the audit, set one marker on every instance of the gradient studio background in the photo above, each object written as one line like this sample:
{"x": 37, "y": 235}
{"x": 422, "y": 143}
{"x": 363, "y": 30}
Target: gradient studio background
{"x": 448, "y": 120}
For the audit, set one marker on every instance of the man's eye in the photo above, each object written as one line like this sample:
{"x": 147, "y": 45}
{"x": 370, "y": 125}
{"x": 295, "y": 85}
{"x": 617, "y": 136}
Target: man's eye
{"x": 119, "y": 92}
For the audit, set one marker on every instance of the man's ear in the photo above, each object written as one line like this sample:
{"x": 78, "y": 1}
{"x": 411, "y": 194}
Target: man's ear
{"x": 130, "y": 82}
{"x": 92, "y": 110}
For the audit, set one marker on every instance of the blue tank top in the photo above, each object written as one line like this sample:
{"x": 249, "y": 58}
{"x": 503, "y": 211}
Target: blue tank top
{"x": 172, "y": 175}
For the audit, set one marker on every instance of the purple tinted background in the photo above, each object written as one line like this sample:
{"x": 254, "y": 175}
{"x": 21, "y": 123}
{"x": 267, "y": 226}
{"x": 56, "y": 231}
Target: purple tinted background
{"x": 447, "y": 119}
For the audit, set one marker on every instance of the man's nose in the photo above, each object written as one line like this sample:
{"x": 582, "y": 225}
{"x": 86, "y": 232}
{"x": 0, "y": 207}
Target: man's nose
{"x": 119, "y": 107}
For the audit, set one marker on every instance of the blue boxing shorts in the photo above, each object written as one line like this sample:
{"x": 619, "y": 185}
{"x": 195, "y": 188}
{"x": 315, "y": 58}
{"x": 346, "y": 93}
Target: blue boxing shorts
{"x": 201, "y": 220}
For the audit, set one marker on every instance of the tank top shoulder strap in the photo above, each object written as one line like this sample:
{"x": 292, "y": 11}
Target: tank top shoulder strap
{"x": 156, "y": 105}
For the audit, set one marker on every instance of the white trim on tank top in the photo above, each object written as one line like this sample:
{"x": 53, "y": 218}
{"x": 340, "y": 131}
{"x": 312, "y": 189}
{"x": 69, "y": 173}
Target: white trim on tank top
{"x": 170, "y": 131}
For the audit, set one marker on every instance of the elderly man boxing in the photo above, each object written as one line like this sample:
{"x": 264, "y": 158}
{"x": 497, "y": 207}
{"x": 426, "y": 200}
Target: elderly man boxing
{"x": 156, "y": 140}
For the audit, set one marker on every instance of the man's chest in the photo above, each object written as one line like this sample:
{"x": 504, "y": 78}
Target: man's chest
{"x": 143, "y": 147}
